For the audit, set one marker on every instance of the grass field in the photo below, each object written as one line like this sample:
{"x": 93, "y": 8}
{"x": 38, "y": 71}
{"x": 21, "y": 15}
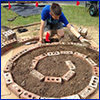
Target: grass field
{"x": 75, "y": 14}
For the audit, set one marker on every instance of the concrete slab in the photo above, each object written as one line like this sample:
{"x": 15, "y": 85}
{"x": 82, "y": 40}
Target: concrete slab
{"x": 4, "y": 59}
{"x": 95, "y": 95}
{"x": 10, "y": 96}
{"x": 4, "y": 89}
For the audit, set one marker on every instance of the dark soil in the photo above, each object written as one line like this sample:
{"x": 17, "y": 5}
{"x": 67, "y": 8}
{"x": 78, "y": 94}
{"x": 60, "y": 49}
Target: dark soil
{"x": 55, "y": 66}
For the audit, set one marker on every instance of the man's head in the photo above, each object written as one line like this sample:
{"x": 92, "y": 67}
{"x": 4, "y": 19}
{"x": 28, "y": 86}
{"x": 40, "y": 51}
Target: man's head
{"x": 55, "y": 10}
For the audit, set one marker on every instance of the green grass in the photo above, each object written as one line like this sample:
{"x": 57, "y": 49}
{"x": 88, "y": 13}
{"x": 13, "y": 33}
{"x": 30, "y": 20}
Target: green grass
{"x": 6, "y": 14}
{"x": 75, "y": 14}
{"x": 79, "y": 16}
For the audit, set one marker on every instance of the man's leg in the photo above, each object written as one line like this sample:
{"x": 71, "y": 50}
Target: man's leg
{"x": 60, "y": 32}
{"x": 59, "y": 28}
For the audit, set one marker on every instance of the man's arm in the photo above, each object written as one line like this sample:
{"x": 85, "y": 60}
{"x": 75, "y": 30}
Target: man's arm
{"x": 41, "y": 31}
{"x": 74, "y": 31}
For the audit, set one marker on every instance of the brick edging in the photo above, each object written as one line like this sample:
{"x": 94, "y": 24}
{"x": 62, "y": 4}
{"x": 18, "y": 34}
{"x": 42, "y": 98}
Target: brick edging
{"x": 21, "y": 93}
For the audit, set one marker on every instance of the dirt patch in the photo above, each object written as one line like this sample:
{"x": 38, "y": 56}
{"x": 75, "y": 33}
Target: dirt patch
{"x": 32, "y": 31}
{"x": 93, "y": 32}
{"x": 55, "y": 66}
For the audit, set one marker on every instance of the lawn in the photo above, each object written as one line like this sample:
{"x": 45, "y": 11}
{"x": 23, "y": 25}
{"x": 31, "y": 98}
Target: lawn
{"x": 75, "y": 14}
{"x": 79, "y": 16}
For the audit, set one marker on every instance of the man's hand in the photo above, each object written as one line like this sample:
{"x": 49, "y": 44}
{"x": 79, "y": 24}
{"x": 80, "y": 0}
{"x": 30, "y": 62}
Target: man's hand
{"x": 85, "y": 42}
{"x": 40, "y": 42}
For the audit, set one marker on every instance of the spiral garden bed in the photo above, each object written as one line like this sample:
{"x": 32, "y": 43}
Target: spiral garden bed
{"x": 56, "y": 70}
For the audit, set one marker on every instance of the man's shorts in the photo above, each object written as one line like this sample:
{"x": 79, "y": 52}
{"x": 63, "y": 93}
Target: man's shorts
{"x": 50, "y": 26}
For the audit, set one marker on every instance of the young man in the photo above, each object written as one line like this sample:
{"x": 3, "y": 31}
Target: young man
{"x": 52, "y": 17}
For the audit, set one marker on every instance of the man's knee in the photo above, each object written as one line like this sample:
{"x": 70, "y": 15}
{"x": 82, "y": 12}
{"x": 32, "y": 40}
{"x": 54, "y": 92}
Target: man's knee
{"x": 60, "y": 32}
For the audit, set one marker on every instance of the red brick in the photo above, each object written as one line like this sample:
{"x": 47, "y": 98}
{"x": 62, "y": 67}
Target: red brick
{"x": 95, "y": 71}
{"x": 10, "y": 60}
{"x": 34, "y": 63}
{"x": 45, "y": 54}
{"x": 37, "y": 74}
{"x": 8, "y": 48}
{"x": 15, "y": 57}
{"x": 66, "y": 52}
{"x": 84, "y": 32}
{"x": 62, "y": 43}
{"x": 93, "y": 48}
{"x": 8, "y": 67}
{"x": 10, "y": 43}
{"x": 68, "y": 43}
{"x": 33, "y": 47}
{"x": 55, "y": 43}
{"x": 24, "y": 51}
{"x": 53, "y": 79}
{"x": 78, "y": 44}
{"x": 49, "y": 98}
{"x": 53, "y": 53}
{"x": 7, "y": 75}
{"x": 29, "y": 95}
{"x": 94, "y": 81}
{"x": 40, "y": 57}
{"x": 16, "y": 89}
{"x": 8, "y": 81}
{"x": 9, "y": 34}
{"x": 8, "y": 78}
{"x": 82, "y": 56}
{"x": 4, "y": 33}
{"x": 3, "y": 45}
{"x": 79, "y": 29}
{"x": 75, "y": 44}
{"x": 18, "y": 54}
{"x": 25, "y": 40}
{"x": 13, "y": 41}
{"x": 21, "y": 52}
{"x": 76, "y": 96}
{"x": 70, "y": 65}
{"x": 86, "y": 92}
{"x": 71, "y": 43}
{"x": 67, "y": 76}
{"x": 91, "y": 62}
{"x": 3, "y": 48}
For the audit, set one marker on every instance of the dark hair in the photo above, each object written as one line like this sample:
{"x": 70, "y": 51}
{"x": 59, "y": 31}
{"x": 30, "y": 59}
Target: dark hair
{"x": 55, "y": 9}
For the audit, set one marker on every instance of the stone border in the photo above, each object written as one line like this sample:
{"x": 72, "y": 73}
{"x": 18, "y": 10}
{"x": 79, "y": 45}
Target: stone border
{"x": 15, "y": 43}
{"x": 21, "y": 93}
{"x": 10, "y": 44}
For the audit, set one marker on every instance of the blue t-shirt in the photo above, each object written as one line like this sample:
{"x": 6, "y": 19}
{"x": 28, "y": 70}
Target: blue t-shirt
{"x": 45, "y": 15}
